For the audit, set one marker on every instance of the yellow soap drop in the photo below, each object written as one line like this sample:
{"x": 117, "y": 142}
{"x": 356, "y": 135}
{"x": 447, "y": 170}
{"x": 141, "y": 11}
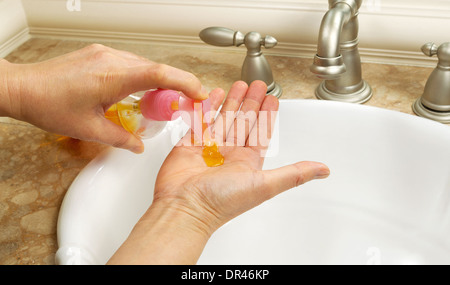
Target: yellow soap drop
{"x": 211, "y": 155}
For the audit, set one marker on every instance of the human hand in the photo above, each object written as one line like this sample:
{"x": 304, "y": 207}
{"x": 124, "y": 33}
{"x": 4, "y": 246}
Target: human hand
{"x": 192, "y": 200}
{"x": 215, "y": 195}
{"x": 69, "y": 94}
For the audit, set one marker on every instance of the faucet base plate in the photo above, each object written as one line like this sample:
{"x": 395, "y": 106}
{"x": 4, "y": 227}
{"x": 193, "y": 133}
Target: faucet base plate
{"x": 276, "y": 91}
{"x": 422, "y": 111}
{"x": 360, "y": 96}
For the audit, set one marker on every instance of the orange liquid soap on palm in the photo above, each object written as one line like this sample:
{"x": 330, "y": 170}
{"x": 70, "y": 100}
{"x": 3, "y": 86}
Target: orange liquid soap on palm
{"x": 210, "y": 151}
{"x": 211, "y": 155}
{"x": 147, "y": 115}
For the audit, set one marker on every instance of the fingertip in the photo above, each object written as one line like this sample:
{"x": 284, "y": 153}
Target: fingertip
{"x": 313, "y": 170}
{"x": 270, "y": 103}
{"x": 257, "y": 91}
{"x": 239, "y": 87}
{"x": 191, "y": 86}
{"x": 117, "y": 136}
{"x": 194, "y": 90}
{"x": 240, "y": 84}
{"x": 238, "y": 90}
{"x": 296, "y": 174}
{"x": 322, "y": 171}
{"x": 157, "y": 75}
{"x": 216, "y": 97}
{"x": 259, "y": 84}
{"x": 131, "y": 143}
{"x": 137, "y": 146}
{"x": 204, "y": 94}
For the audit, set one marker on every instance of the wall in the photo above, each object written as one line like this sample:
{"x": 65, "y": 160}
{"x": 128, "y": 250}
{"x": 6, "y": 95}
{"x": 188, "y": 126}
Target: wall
{"x": 13, "y": 26}
{"x": 390, "y": 30}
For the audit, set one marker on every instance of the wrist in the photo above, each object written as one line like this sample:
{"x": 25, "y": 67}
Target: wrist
{"x": 188, "y": 213}
{"x": 166, "y": 234}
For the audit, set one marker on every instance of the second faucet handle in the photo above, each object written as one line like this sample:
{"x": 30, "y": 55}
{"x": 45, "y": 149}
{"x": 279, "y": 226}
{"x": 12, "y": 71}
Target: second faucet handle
{"x": 223, "y": 37}
{"x": 442, "y": 52}
{"x": 255, "y": 66}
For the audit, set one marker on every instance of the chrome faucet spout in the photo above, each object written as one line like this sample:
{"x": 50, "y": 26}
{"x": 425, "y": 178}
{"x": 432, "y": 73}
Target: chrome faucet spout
{"x": 330, "y": 30}
{"x": 337, "y": 60}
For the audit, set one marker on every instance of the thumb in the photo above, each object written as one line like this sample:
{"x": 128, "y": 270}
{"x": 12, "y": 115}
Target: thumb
{"x": 107, "y": 132}
{"x": 290, "y": 176}
{"x": 155, "y": 75}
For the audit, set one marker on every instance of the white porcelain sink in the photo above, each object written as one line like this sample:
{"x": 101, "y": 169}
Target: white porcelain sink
{"x": 387, "y": 200}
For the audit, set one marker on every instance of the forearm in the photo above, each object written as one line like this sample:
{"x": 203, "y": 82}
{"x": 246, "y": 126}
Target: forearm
{"x": 9, "y": 90}
{"x": 5, "y": 100}
{"x": 163, "y": 236}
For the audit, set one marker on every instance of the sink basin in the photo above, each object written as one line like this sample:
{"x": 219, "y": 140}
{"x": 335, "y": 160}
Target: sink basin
{"x": 387, "y": 200}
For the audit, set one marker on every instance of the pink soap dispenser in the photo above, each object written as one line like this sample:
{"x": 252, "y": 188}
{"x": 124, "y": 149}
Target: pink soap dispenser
{"x": 146, "y": 113}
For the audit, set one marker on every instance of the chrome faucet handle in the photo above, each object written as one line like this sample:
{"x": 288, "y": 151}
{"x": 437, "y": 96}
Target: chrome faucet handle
{"x": 255, "y": 66}
{"x": 434, "y": 103}
{"x": 269, "y": 42}
{"x": 219, "y": 36}
{"x": 429, "y": 49}
{"x": 222, "y": 37}
{"x": 442, "y": 52}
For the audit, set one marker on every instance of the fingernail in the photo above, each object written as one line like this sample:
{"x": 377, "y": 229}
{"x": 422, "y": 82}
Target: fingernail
{"x": 324, "y": 172}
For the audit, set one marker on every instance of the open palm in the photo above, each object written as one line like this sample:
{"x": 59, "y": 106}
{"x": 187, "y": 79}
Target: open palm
{"x": 215, "y": 195}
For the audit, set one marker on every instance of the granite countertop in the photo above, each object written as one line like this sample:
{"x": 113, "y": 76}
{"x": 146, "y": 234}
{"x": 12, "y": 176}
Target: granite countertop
{"x": 37, "y": 167}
